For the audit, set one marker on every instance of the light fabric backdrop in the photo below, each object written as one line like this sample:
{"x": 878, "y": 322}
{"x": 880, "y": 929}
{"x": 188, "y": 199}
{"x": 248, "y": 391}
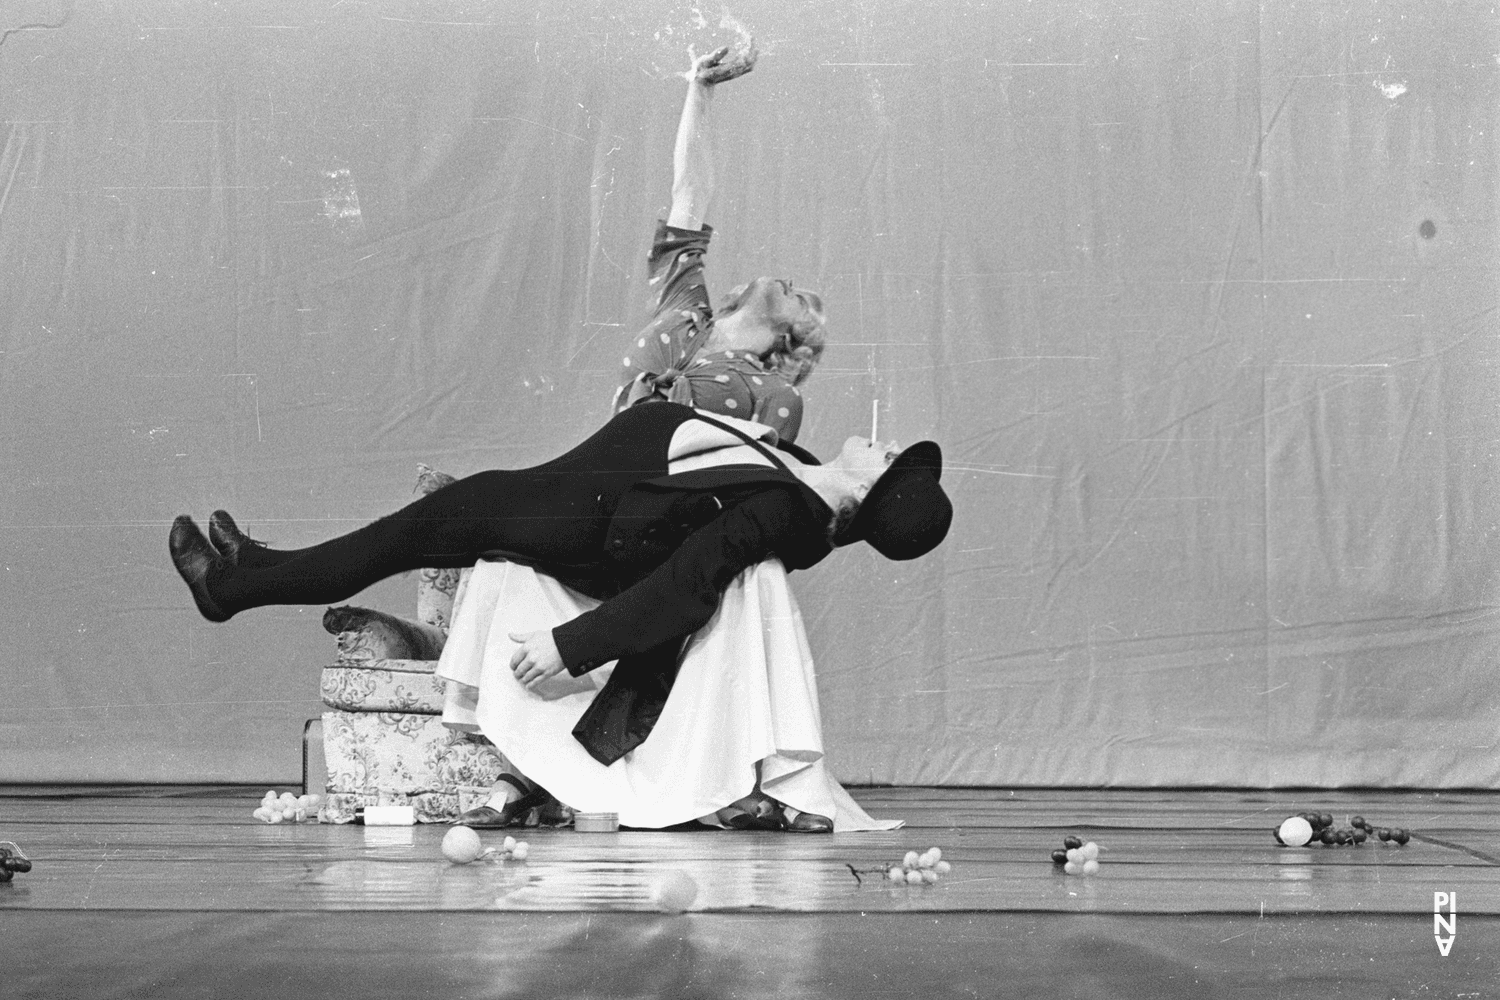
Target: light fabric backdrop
{"x": 1200, "y": 300}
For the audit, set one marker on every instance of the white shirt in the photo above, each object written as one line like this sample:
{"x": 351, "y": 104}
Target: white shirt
{"x": 697, "y": 444}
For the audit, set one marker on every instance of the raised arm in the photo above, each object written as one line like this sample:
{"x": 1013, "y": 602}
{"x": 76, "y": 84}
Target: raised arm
{"x": 693, "y": 155}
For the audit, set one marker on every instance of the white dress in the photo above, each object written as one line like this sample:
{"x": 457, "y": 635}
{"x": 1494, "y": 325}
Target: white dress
{"x": 745, "y": 693}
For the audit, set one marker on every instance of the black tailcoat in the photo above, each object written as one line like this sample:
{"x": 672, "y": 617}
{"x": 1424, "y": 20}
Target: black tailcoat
{"x": 608, "y": 520}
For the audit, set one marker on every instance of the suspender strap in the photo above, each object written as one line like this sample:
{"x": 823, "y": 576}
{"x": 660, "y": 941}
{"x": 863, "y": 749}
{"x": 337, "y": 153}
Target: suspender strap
{"x": 747, "y": 439}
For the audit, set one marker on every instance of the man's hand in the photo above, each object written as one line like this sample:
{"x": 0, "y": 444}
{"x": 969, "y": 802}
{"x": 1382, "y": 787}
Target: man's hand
{"x": 720, "y": 66}
{"x": 536, "y": 659}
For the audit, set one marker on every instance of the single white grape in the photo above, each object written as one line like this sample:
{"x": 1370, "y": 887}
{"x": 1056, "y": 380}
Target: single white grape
{"x": 913, "y": 878}
{"x": 1295, "y": 831}
{"x": 910, "y": 861}
{"x": 1090, "y": 866}
{"x": 1090, "y": 851}
{"x": 942, "y": 868}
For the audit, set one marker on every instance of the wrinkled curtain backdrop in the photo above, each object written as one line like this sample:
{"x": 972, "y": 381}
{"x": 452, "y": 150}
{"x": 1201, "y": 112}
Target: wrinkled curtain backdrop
{"x": 1200, "y": 300}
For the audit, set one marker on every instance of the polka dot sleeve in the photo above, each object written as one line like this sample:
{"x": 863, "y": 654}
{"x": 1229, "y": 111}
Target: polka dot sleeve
{"x": 682, "y": 310}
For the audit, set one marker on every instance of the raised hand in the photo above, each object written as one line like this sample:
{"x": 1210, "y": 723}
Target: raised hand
{"x": 724, "y": 63}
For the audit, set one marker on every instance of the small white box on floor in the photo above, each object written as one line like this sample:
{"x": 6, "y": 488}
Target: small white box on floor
{"x": 389, "y": 816}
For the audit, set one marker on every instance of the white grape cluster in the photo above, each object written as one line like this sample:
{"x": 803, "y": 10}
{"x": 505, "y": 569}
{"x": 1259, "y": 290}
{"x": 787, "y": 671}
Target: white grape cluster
{"x": 919, "y": 869}
{"x": 1082, "y": 860}
{"x": 288, "y": 808}
{"x": 512, "y": 849}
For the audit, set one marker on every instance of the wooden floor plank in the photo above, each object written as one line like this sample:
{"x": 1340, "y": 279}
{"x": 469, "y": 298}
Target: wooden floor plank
{"x": 846, "y": 956}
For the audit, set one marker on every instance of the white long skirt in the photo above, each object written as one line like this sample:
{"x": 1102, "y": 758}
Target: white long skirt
{"x": 745, "y": 694}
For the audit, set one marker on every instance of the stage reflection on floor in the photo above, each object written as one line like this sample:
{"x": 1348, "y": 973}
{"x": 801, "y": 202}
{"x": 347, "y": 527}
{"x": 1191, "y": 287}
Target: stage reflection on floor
{"x": 182, "y": 887}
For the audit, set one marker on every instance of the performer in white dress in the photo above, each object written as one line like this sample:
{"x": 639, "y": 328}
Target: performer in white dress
{"x": 742, "y": 715}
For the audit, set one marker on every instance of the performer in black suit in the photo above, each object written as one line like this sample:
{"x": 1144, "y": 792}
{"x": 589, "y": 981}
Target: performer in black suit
{"x": 608, "y": 520}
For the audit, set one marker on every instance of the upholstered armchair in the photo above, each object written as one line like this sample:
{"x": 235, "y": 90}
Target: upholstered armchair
{"x": 382, "y": 737}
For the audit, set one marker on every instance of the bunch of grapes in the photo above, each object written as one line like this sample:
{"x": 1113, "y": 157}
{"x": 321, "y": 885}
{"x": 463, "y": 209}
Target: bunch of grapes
{"x": 512, "y": 849}
{"x": 1323, "y": 830}
{"x": 12, "y": 861}
{"x": 919, "y": 869}
{"x": 287, "y": 808}
{"x": 1076, "y": 857}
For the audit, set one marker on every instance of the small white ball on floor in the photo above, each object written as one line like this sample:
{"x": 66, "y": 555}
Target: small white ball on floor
{"x": 674, "y": 892}
{"x": 1295, "y": 831}
{"x": 461, "y": 845}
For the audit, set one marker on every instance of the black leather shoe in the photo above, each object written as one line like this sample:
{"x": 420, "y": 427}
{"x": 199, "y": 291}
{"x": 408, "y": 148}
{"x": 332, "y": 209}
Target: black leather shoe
{"x": 753, "y": 812}
{"x": 810, "y": 823}
{"x": 237, "y": 548}
{"x": 195, "y": 559}
{"x": 513, "y": 813}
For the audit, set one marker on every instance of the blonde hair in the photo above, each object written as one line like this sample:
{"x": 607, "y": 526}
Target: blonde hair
{"x": 797, "y": 350}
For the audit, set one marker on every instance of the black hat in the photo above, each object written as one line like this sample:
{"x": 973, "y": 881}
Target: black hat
{"x": 906, "y": 513}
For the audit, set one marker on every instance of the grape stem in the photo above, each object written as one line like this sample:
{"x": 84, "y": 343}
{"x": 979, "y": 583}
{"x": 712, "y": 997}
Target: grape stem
{"x": 857, "y": 872}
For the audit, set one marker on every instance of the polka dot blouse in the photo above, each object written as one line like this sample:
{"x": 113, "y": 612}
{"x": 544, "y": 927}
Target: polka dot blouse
{"x": 665, "y": 361}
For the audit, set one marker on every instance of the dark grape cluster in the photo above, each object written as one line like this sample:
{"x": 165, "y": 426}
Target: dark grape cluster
{"x": 1356, "y": 832}
{"x": 12, "y": 861}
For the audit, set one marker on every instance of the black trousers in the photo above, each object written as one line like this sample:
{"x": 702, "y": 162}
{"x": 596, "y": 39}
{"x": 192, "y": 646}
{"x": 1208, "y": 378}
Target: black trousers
{"x": 553, "y": 516}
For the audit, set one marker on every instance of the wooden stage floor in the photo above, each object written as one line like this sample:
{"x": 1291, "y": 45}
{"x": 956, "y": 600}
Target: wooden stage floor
{"x": 168, "y": 891}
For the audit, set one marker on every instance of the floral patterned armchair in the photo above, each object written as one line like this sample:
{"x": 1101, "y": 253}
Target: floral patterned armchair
{"x": 384, "y": 742}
